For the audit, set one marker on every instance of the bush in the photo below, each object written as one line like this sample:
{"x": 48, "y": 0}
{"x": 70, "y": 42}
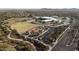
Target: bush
{"x": 6, "y": 47}
{"x": 24, "y": 46}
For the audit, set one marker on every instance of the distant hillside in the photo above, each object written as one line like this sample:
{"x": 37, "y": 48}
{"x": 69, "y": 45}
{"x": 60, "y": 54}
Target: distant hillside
{"x": 50, "y": 12}
{"x": 40, "y": 12}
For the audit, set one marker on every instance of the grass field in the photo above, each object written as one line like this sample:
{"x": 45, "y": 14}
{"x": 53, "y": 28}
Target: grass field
{"x": 22, "y": 26}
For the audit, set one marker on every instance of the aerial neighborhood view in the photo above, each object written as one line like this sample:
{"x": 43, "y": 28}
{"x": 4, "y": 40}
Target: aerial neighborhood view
{"x": 39, "y": 29}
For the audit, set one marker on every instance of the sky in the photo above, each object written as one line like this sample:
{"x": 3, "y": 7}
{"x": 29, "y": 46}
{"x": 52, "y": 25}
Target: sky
{"x": 39, "y": 4}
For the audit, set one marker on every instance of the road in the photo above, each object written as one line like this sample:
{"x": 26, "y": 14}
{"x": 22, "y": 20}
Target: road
{"x": 66, "y": 41}
{"x": 60, "y": 25}
{"x": 9, "y": 36}
{"x": 50, "y": 48}
{"x": 46, "y": 33}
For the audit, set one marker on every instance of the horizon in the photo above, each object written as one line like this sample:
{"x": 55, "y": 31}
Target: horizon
{"x": 33, "y": 8}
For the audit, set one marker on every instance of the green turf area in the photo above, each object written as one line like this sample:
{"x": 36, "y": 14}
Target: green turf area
{"x": 23, "y": 26}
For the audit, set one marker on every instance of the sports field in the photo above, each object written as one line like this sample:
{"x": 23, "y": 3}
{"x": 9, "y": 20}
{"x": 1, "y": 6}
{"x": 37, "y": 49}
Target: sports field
{"x": 23, "y": 26}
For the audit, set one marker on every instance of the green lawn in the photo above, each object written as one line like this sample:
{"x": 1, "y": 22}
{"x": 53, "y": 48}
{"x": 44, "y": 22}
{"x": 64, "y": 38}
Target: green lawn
{"x": 22, "y": 26}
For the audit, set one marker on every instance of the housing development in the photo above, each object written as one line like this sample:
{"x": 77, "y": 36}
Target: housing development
{"x": 39, "y": 30}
